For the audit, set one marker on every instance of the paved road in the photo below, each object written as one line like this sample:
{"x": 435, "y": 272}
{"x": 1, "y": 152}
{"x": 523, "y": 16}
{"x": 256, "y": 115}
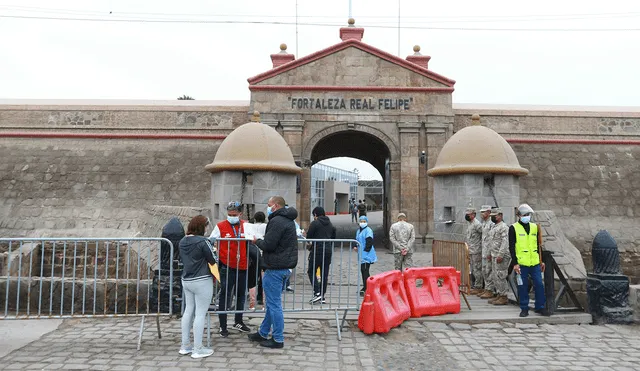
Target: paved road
{"x": 110, "y": 344}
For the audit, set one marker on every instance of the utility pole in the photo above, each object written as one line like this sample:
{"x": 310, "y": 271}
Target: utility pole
{"x": 399, "y": 28}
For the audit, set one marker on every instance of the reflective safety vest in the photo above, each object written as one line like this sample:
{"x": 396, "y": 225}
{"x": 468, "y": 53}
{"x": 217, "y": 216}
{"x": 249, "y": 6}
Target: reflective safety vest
{"x": 527, "y": 245}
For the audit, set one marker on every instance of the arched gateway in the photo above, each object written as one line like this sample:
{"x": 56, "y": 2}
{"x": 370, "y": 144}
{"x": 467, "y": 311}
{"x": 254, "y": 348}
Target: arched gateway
{"x": 354, "y": 100}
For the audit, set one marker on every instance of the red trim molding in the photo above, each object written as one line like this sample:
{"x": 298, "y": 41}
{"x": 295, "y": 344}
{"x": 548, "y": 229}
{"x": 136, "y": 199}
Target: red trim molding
{"x": 573, "y": 141}
{"x": 357, "y": 44}
{"x": 400, "y": 89}
{"x": 110, "y": 136}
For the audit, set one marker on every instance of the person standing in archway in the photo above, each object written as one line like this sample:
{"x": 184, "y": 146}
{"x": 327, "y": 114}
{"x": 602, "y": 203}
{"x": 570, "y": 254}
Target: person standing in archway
{"x": 364, "y": 236}
{"x": 353, "y": 208}
{"x": 320, "y": 253}
{"x": 402, "y": 236}
{"x": 362, "y": 209}
{"x": 500, "y": 257}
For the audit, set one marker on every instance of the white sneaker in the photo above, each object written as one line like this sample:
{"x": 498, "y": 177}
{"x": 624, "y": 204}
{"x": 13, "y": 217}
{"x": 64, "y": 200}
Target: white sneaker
{"x": 201, "y": 353}
{"x": 185, "y": 350}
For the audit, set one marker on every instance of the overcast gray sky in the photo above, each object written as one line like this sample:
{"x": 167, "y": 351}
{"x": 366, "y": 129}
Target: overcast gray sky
{"x": 65, "y": 59}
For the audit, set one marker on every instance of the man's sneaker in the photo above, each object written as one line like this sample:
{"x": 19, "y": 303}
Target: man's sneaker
{"x": 289, "y": 289}
{"x": 524, "y": 313}
{"x": 271, "y": 344}
{"x": 186, "y": 350}
{"x": 316, "y": 299}
{"x": 224, "y": 332}
{"x": 241, "y": 327}
{"x": 362, "y": 292}
{"x": 201, "y": 353}
{"x": 256, "y": 337}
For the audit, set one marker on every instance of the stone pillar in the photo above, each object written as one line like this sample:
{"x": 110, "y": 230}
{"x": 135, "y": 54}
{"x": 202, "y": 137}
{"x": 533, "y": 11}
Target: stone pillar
{"x": 304, "y": 207}
{"x": 410, "y": 173}
{"x": 607, "y": 288}
{"x": 436, "y": 136}
{"x": 393, "y": 193}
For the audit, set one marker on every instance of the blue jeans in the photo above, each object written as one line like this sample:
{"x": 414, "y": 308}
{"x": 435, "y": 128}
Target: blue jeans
{"x": 523, "y": 290}
{"x": 273, "y": 283}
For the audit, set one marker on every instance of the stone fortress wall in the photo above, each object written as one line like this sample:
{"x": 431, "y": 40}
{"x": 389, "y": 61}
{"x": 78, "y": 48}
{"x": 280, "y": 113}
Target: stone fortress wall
{"x": 134, "y": 162}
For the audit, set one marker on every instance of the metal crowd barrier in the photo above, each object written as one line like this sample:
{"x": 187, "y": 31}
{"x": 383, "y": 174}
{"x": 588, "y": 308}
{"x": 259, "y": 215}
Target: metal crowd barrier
{"x": 454, "y": 254}
{"x": 84, "y": 278}
{"x": 333, "y": 264}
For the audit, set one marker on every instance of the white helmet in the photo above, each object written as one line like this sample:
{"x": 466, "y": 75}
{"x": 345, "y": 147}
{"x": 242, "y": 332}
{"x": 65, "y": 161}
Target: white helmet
{"x": 525, "y": 209}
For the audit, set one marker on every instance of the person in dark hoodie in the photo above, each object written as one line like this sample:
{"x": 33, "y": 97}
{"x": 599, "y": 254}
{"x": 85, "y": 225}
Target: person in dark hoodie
{"x": 320, "y": 252}
{"x": 196, "y": 253}
{"x": 279, "y": 254}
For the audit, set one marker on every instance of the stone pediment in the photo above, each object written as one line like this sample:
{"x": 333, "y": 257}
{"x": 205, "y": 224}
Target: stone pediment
{"x": 351, "y": 64}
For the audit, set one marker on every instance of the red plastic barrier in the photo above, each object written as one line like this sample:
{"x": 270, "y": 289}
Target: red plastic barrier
{"x": 386, "y": 295}
{"x": 365, "y": 318}
{"x": 432, "y": 299}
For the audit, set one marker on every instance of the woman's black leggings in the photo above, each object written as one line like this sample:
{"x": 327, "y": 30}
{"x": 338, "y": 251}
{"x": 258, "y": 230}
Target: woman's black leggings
{"x": 364, "y": 269}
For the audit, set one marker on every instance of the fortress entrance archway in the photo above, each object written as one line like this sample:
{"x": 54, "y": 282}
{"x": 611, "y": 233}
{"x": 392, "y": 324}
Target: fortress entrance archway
{"x": 362, "y": 146}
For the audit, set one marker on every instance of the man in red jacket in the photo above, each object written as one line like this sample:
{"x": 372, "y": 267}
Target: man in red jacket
{"x": 233, "y": 264}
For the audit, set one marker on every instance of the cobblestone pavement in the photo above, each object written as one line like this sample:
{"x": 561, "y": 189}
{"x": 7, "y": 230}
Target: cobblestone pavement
{"x": 110, "y": 344}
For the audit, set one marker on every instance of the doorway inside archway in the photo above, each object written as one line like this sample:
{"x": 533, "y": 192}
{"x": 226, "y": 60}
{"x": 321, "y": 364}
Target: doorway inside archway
{"x": 351, "y": 165}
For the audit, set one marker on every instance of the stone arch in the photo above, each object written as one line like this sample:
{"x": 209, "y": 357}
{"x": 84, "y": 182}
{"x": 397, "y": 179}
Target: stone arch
{"x": 343, "y": 128}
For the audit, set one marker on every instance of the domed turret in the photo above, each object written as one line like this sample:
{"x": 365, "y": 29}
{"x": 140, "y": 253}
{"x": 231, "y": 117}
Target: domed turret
{"x": 254, "y": 146}
{"x": 477, "y": 149}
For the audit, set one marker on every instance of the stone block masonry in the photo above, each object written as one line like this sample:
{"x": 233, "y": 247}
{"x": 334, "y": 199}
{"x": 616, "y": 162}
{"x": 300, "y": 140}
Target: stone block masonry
{"x": 96, "y": 187}
{"x": 589, "y": 188}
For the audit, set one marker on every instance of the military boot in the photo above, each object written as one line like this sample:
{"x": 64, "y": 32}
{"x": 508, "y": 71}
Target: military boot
{"x": 487, "y": 295}
{"x": 500, "y": 300}
{"x": 475, "y": 291}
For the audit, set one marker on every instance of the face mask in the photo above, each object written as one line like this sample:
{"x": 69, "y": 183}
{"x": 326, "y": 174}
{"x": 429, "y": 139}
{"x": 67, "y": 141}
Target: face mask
{"x": 269, "y": 210}
{"x": 467, "y": 218}
{"x": 493, "y": 219}
{"x": 233, "y": 219}
{"x": 525, "y": 219}
{"x": 363, "y": 225}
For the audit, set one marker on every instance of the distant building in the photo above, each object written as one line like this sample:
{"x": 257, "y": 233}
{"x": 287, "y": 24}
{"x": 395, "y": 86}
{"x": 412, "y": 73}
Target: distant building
{"x": 330, "y": 184}
{"x": 372, "y": 192}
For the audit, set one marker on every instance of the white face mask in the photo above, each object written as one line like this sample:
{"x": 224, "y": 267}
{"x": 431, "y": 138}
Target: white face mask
{"x": 525, "y": 219}
{"x": 363, "y": 225}
{"x": 233, "y": 219}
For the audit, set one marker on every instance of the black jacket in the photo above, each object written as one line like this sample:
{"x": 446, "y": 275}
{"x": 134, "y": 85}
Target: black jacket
{"x": 322, "y": 229}
{"x": 280, "y": 243}
{"x": 195, "y": 253}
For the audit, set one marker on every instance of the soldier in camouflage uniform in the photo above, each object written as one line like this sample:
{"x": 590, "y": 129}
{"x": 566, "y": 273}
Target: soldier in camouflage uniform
{"x": 487, "y": 225}
{"x": 402, "y": 236}
{"x": 500, "y": 257}
{"x": 474, "y": 241}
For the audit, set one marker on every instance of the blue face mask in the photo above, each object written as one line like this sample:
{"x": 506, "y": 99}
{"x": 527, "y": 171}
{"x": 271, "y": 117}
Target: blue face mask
{"x": 233, "y": 219}
{"x": 269, "y": 210}
{"x": 525, "y": 219}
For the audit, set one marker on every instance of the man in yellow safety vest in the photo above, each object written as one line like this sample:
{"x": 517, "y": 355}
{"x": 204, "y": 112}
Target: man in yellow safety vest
{"x": 525, "y": 246}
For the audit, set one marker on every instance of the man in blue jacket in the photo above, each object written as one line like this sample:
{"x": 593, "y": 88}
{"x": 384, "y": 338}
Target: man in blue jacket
{"x": 279, "y": 254}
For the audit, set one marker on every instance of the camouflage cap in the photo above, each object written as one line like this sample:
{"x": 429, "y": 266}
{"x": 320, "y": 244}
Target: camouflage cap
{"x": 496, "y": 211}
{"x": 470, "y": 210}
{"x": 485, "y": 208}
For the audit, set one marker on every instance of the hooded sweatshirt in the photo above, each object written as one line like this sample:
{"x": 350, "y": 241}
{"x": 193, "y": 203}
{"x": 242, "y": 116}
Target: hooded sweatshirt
{"x": 322, "y": 229}
{"x": 196, "y": 253}
{"x": 174, "y": 232}
{"x": 280, "y": 244}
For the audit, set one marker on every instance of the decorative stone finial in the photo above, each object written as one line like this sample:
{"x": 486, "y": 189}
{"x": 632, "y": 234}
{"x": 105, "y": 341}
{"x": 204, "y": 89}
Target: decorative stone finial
{"x": 416, "y": 48}
{"x": 283, "y": 47}
{"x": 256, "y": 116}
{"x": 351, "y": 22}
{"x": 475, "y": 119}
